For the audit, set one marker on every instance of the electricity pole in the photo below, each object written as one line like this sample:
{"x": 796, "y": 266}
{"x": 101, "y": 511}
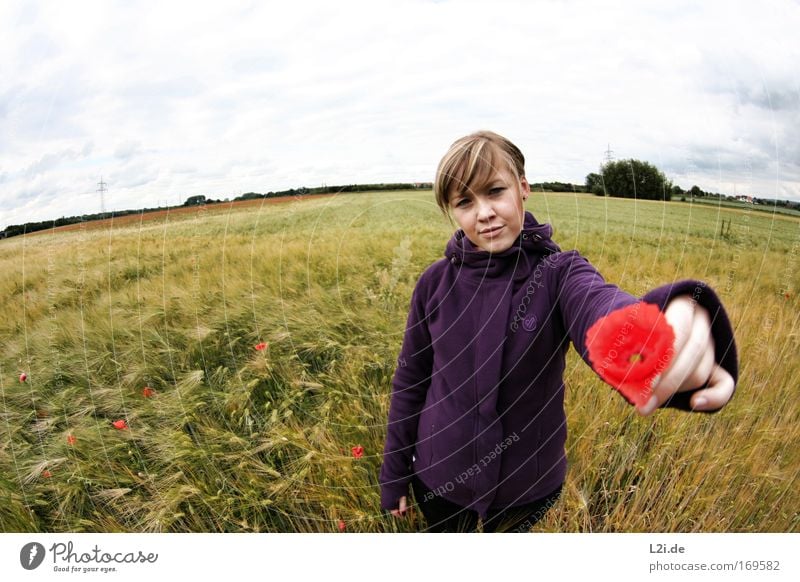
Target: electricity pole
{"x": 609, "y": 154}
{"x": 102, "y": 189}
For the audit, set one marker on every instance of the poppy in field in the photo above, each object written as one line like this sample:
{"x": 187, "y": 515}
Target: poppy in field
{"x": 46, "y": 473}
{"x": 23, "y": 377}
{"x": 71, "y": 439}
{"x": 358, "y": 451}
{"x": 786, "y": 295}
{"x": 342, "y": 525}
{"x": 120, "y": 424}
{"x": 629, "y": 347}
{"x": 147, "y": 392}
{"x": 262, "y": 346}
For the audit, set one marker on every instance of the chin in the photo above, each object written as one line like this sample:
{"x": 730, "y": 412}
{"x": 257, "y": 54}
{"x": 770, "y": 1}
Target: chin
{"x": 497, "y": 247}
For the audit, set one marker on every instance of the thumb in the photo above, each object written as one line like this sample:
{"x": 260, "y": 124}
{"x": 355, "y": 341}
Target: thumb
{"x": 718, "y": 393}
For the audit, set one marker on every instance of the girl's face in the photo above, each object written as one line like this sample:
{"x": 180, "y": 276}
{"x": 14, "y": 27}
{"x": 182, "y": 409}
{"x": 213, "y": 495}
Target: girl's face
{"x": 492, "y": 215}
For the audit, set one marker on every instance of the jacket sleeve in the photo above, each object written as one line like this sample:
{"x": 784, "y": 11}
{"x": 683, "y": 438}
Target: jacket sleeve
{"x": 583, "y": 297}
{"x": 409, "y": 387}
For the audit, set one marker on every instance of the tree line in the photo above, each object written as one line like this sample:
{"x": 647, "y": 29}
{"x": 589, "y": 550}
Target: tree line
{"x": 638, "y": 179}
{"x": 18, "y": 229}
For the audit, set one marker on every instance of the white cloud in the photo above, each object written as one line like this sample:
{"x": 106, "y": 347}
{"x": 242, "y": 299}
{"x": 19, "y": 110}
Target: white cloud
{"x": 171, "y": 99}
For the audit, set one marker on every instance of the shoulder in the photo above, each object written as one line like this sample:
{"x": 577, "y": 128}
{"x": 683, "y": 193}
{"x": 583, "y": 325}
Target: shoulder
{"x": 567, "y": 265}
{"x": 561, "y": 259}
{"x": 433, "y": 273}
{"x": 429, "y": 279}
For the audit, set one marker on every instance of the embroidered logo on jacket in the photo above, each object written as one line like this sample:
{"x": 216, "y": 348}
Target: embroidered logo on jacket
{"x": 529, "y": 323}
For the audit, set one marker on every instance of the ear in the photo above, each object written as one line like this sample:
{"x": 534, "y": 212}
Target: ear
{"x": 526, "y": 188}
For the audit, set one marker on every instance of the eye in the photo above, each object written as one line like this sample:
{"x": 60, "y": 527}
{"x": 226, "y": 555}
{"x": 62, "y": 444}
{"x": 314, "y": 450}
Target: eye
{"x": 462, "y": 202}
{"x": 496, "y": 190}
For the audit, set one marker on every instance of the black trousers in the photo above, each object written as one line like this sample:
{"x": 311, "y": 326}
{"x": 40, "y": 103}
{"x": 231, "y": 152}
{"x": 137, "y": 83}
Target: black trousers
{"x": 445, "y": 516}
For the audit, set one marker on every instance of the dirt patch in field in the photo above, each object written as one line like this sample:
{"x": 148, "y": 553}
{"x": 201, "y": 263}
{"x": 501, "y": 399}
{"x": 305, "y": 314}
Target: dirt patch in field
{"x": 128, "y": 219}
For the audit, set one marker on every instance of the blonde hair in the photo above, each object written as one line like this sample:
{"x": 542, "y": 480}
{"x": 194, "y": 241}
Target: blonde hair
{"x": 470, "y": 163}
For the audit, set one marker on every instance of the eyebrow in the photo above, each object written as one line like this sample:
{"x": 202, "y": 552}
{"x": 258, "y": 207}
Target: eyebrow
{"x": 470, "y": 192}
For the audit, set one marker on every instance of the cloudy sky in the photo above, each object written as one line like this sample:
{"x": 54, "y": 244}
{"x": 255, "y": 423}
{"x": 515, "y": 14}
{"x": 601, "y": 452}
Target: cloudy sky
{"x": 166, "y": 100}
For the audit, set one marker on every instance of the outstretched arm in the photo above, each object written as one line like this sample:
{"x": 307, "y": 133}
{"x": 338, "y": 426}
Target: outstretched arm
{"x": 705, "y": 365}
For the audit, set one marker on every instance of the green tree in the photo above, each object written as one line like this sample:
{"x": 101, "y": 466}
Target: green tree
{"x": 594, "y": 184}
{"x": 635, "y": 179}
{"x": 195, "y": 200}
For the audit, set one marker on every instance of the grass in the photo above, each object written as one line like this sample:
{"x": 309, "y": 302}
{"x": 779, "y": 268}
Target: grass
{"x": 237, "y": 439}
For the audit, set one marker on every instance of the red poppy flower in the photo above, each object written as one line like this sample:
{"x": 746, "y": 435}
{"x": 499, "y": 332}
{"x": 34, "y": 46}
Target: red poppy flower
{"x": 261, "y": 346}
{"x": 629, "y": 347}
{"x": 147, "y": 392}
{"x": 358, "y": 451}
{"x": 71, "y": 439}
{"x": 342, "y": 525}
{"x": 120, "y": 424}
{"x": 46, "y": 473}
{"x": 786, "y": 295}
{"x": 23, "y": 377}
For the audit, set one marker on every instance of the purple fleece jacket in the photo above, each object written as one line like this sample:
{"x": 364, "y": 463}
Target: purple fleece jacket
{"x": 477, "y": 397}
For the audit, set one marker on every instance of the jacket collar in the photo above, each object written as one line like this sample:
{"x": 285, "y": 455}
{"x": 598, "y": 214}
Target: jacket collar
{"x": 534, "y": 239}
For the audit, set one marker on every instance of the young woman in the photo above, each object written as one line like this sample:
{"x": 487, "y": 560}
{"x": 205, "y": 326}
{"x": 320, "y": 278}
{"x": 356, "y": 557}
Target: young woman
{"x": 476, "y": 421}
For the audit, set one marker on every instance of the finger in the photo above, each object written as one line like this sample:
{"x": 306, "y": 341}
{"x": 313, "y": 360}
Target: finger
{"x": 691, "y": 366}
{"x": 702, "y": 372}
{"x": 401, "y": 508}
{"x": 697, "y": 378}
{"x": 718, "y": 393}
{"x": 653, "y": 403}
{"x": 679, "y": 313}
{"x": 694, "y": 359}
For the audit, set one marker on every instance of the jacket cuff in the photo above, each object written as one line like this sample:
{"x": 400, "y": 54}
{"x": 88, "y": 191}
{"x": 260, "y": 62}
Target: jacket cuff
{"x": 721, "y": 330}
{"x": 392, "y": 492}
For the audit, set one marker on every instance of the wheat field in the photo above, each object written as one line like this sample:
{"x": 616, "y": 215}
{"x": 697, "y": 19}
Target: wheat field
{"x": 228, "y": 437}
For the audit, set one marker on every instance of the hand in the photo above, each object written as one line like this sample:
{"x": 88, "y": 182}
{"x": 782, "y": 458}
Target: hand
{"x": 401, "y": 510}
{"x": 693, "y": 362}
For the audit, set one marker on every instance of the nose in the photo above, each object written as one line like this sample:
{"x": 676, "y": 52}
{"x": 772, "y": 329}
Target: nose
{"x": 485, "y": 209}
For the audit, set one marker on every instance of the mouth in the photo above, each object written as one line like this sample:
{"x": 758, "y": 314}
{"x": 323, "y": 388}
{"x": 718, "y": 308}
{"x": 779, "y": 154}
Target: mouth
{"x": 491, "y": 232}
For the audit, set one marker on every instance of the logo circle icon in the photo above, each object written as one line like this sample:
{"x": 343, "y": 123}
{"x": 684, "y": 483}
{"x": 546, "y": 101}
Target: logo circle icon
{"x": 31, "y": 555}
{"x": 529, "y": 323}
